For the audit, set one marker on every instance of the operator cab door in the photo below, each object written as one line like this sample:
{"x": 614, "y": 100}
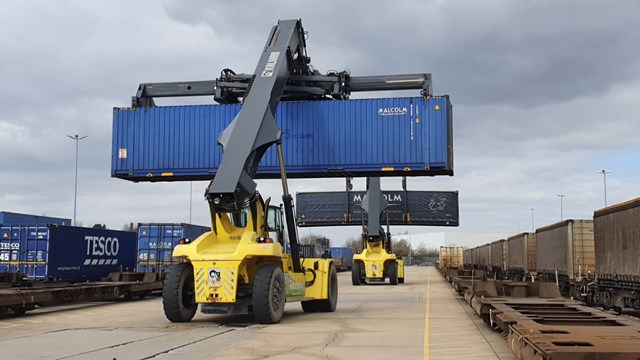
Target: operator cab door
{"x": 275, "y": 225}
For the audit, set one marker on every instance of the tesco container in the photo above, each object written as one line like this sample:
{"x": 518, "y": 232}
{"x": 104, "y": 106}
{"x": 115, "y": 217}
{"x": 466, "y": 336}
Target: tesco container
{"x": 11, "y": 218}
{"x": 617, "y": 245}
{"x": 368, "y": 137}
{"x": 567, "y": 247}
{"x": 65, "y": 253}
{"x": 157, "y": 240}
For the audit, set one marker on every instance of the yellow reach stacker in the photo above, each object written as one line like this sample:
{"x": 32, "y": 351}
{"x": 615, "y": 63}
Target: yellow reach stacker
{"x": 376, "y": 262}
{"x": 241, "y": 265}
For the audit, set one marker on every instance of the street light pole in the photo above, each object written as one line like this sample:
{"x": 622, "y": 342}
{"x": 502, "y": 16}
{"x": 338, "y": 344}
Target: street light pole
{"x": 77, "y": 139}
{"x": 533, "y": 228}
{"x": 604, "y": 176}
{"x": 190, "y": 200}
{"x": 561, "y": 196}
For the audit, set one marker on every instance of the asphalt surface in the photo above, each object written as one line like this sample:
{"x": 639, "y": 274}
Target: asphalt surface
{"x": 420, "y": 319}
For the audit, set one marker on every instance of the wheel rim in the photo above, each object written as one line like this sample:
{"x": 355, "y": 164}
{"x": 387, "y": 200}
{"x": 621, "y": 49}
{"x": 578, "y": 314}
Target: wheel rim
{"x": 188, "y": 292}
{"x": 276, "y": 294}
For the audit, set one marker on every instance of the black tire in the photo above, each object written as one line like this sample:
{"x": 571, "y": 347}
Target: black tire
{"x": 355, "y": 274}
{"x": 178, "y": 294}
{"x": 309, "y": 306}
{"x": 393, "y": 273}
{"x": 269, "y": 294}
{"x": 331, "y": 302}
{"x": 19, "y": 311}
{"x": 401, "y": 280}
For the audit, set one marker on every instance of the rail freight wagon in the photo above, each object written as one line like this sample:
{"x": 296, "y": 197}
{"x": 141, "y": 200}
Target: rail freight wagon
{"x": 484, "y": 257}
{"x": 617, "y": 247}
{"x": 498, "y": 258}
{"x": 157, "y": 240}
{"x": 467, "y": 258}
{"x": 319, "y": 139}
{"x": 521, "y": 256}
{"x": 451, "y": 256}
{"x": 342, "y": 258}
{"x": 65, "y": 253}
{"x": 11, "y": 218}
{"x": 566, "y": 249}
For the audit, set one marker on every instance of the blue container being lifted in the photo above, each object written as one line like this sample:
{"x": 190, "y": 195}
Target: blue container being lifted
{"x": 65, "y": 253}
{"x": 156, "y": 242}
{"x": 368, "y": 137}
{"x": 11, "y": 218}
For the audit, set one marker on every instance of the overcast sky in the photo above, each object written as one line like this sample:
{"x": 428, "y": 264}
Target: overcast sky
{"x": 545, "y": 94}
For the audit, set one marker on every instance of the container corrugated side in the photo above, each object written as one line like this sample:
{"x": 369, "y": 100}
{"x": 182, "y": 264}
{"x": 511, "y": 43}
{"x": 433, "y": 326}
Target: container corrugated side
{"x": 65, "y": 253}
{"x": 484, "y": 255}
{"x": 157, "y": 240}
{"x": 467, "y": 257}
{"x": 338, "y": 208}
{"x": 567, "y": 246}
{"x": 498, "y": 254}
{"x": 521, "y": 252}
{"x": 616, "y": 231}
{"x": 11, "y": 218}
{"x": 367, "y": 137}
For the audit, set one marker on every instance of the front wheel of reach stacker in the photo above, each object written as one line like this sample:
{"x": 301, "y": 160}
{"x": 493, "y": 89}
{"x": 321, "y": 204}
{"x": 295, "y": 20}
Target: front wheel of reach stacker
{"x": 393, "y": 273}
{"x": 355, "y": 273}
{"x": 269, "y": 294}
{"x": 331, "y": 302}
{"x": 178, "y": 294}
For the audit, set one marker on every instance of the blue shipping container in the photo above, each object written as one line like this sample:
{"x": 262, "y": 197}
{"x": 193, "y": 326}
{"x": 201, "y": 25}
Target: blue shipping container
{"x": 65, "y": 253}
{"x": 156, "y": 243}
{"x": 343, "y": 257}
{"x": 10, "y": 218}
{"x": 369, "y": 137}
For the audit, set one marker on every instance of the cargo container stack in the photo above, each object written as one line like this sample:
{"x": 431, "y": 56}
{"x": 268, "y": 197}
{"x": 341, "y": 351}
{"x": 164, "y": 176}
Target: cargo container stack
{"x": 157, "y": 240}
{"x": 51, "y": 252}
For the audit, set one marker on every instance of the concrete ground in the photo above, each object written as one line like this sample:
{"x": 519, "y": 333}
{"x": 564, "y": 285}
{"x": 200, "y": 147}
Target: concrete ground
{"x": 421, "y": 319}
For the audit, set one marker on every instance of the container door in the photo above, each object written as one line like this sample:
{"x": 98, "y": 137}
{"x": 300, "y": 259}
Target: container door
{"x": 35, "y": 264}
{"x": 9, "y": 248}
{"x": 143, "y": 249}
{"x": 148, "y": 248}
{"x": 172, "y": 236}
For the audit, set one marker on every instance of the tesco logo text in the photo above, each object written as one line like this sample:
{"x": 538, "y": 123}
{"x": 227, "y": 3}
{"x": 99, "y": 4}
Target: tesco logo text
{"x": 99, "y": 245}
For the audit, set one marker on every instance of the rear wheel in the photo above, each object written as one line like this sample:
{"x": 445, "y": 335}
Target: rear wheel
{"x": 355, "y": 273}
{"x": 269, "y": 294}
{"x": 329, "y": 304}
{"x": 401, "y": 280}
{"x": 393, "y": 273}
{"x": 178, "y": 294}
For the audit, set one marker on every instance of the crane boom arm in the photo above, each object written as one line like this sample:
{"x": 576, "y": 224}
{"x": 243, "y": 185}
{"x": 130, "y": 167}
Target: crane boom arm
{"x": 231, "y": 88}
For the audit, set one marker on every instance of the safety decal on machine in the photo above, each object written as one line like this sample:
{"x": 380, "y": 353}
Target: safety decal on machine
{"x": 215, "y": 277}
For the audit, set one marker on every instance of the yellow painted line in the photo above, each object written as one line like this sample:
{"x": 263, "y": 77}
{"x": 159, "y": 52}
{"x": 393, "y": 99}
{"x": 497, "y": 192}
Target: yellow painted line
{"x": 426, "y": 319}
